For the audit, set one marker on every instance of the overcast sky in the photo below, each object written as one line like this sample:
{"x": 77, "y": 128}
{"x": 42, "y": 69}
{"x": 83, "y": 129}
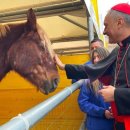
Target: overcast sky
{"x": 104, "y": 6}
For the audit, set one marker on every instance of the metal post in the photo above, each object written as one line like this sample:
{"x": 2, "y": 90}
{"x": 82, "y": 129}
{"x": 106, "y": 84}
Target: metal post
{"x": 90, "y": 29}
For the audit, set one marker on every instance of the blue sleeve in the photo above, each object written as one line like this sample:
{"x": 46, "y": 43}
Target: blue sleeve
{"x": 88, "y": 63}
{"x": 86, "y": 105}
{"x": 74, "y": 80}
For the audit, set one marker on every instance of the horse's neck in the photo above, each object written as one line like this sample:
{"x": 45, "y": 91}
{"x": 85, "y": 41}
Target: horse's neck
{"x": 14, "y": 32}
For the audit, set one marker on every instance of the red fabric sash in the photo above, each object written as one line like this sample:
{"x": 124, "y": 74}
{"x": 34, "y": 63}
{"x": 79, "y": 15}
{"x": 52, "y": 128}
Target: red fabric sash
{"x": 123, "y": 119}
{"x": 106, "y": 79}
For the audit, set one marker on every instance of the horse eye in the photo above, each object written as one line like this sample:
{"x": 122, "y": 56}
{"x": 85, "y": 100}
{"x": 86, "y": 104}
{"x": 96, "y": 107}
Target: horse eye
{"x": 42, "y": 46}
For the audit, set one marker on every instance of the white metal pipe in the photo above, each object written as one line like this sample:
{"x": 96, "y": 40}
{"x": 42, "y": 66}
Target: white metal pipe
{"x": 91, "y": 29}
{"x": 27, "y": 119}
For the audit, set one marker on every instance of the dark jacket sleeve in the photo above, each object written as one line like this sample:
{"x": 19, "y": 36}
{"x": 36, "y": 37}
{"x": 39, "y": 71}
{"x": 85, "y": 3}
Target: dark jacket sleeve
{"x": 122, "y": 100}
{"x": 76, "y": 71}
{"x": 87, "y": 63}
{"x": 91, "y": 71}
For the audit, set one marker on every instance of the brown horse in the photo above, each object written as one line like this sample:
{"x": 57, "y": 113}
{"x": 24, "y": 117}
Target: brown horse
{"x": 26, "y": 49}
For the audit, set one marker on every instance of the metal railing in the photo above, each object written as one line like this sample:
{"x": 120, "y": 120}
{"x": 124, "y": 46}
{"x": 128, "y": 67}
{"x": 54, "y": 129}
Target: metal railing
{"x": 27, "y": 119}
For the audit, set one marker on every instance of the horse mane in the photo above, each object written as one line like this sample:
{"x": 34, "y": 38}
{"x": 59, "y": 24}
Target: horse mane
{"x": 3, "y": 30}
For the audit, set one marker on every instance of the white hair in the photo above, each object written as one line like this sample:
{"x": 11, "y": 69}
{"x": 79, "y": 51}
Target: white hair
{"x": 115, "y": 14}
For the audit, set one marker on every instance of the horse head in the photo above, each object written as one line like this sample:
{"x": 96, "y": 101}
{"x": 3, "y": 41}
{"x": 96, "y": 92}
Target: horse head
{"x": 29, "y": 53}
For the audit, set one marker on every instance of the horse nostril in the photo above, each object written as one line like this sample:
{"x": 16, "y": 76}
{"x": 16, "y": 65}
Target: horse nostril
{"x": 47, "y": 87}
{"x": 55, "y": 82}
{"x": 44, "y": 88}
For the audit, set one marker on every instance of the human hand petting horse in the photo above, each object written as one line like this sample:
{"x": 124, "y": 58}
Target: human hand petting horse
{"x": 59, "y": 62}
{"x": 26, "y": 49}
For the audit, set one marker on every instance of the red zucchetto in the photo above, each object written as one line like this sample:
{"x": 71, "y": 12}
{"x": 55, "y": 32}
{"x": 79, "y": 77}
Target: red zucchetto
{"x": 122, "y": 7}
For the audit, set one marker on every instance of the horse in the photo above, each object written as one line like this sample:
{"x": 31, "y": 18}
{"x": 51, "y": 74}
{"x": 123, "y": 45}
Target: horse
{"x": 26, "y": 49}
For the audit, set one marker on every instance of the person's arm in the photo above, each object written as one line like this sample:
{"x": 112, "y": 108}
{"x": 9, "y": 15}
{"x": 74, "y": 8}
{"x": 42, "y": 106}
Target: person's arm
{"x": 88, "y": 107}
{"x": 87, "y": 63}
{"x": 72, "y": 71}
{"x": 76, "y": 71}
{"x": 59, "y": 63}
{"x": 86, "y": 71}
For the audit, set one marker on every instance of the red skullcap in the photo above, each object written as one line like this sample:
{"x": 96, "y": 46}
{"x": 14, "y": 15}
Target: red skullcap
{"x": 122, "y": 7}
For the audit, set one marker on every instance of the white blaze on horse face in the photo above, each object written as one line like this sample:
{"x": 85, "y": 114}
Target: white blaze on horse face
{"x": 45, "y": 41}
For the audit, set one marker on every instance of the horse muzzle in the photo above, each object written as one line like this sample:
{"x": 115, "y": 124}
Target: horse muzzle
{"x": 48, "y": 87}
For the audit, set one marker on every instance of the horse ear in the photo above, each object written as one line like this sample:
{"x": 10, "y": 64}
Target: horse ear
{"x": 31, "y": 20}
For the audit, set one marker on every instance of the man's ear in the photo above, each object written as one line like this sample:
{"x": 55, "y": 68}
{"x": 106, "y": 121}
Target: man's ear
{"x": 120, "y": 22}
